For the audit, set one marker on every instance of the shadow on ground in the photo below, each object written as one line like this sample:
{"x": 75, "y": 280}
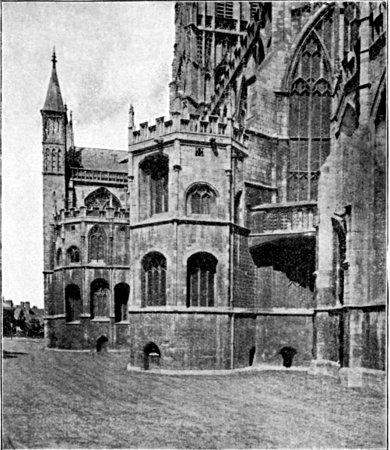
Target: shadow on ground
{"x": 7, "y": 355}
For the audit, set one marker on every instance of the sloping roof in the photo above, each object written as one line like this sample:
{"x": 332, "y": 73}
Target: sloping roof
{"x": 53, "y": 97}
{"x": 102, "y": 159}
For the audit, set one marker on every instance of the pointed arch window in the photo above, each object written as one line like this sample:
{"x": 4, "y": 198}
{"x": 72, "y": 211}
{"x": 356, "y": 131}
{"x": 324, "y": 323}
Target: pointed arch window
{"x": 102, "y": 198}
{"x": 310, "y": 109}
{"x": 100, "y": 298}
{"x": 97, "y": 244}
{"x": 201, "y": 269}
{"x": 201, "y": 199}
{"x": 153, "y": 187}
{"x": 154, "y": 267}
{"x": 73, "y": 254}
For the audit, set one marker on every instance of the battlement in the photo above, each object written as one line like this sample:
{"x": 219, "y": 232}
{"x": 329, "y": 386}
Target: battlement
{"x": 83, "y": 212}
{"x": 192, "y": 123}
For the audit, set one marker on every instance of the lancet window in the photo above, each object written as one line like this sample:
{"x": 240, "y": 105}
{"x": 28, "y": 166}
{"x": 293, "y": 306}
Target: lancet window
{"x": 97, "y": 244}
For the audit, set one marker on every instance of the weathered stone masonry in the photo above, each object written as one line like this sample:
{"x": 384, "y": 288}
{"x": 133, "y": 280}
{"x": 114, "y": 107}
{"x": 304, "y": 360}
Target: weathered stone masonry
{"x": 252, "y": 218}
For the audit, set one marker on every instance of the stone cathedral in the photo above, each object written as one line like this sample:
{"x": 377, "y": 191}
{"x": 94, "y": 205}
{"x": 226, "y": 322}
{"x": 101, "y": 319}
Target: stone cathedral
{"x": 251, "y": 219}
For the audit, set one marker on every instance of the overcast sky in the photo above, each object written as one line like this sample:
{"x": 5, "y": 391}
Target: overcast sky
{"x": 109, "y": 55}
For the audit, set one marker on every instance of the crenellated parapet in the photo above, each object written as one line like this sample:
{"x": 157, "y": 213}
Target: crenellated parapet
{"x": 176, "y": 123}
{"x": 83, "y": 213}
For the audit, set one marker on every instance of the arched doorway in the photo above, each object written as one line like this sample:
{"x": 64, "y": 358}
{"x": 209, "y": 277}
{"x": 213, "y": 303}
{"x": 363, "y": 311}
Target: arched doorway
{"x": 152, "y": 356}
{"x": 102, "y": 344}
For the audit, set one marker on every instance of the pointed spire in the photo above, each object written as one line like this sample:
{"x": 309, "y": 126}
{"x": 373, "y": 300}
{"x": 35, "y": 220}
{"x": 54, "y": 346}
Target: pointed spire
{"x": 53, "y": 97}
{"x": 131, "y": 116}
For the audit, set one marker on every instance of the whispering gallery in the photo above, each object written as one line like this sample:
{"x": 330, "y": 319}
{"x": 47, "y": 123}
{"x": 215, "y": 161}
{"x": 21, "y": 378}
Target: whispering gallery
{"x": 249, "y": 222}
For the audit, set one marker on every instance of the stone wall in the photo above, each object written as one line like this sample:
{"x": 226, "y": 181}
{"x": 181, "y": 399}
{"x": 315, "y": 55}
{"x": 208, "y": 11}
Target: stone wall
{"x": 273, "y": 332}
{"x": 186, "y": 341}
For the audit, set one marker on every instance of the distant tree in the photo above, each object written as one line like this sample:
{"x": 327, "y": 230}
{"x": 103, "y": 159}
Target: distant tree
{"x": 33, "y": 328}
{"x": 9, "y": 323}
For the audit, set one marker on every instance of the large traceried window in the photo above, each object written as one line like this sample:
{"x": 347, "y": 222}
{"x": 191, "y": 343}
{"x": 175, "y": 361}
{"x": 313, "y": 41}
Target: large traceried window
{"x": 100, "y": 298}
{"x": 201, "y": 199}
{"x": 97, "y": 244}
{"x": 102, "y": 198}
{"x": 73, "y": 304}
{"x": 201, "y": 269}
{"x": 153, "y": 188}
{"x": 154, "y": 267}
{"x": 310, "y": 104}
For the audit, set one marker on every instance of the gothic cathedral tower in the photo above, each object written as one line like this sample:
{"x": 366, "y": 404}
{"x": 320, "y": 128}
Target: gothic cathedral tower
{"x": 54, "y": 132}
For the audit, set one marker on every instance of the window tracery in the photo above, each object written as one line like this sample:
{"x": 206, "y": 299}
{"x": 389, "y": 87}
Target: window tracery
{"x": 201, "y": 269}
{"x": 100, "y": 296}
{"x": 153, "y": 188}
{"x": 97, "y": 244}
{"x": 310, "y": 104}
{"x": 154, "y": 266}
{"x": 73, "y": 254}
{"x": 102, "y": 198}
{"x": 201, "y": 199}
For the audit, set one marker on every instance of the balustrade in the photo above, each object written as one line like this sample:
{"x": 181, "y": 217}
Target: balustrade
{"x": 99, "y": 176}
{"x": 284, "y": 218}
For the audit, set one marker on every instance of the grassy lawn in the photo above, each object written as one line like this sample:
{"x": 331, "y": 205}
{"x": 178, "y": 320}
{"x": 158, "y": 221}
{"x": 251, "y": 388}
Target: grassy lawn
{"x": 70, "y": 400}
